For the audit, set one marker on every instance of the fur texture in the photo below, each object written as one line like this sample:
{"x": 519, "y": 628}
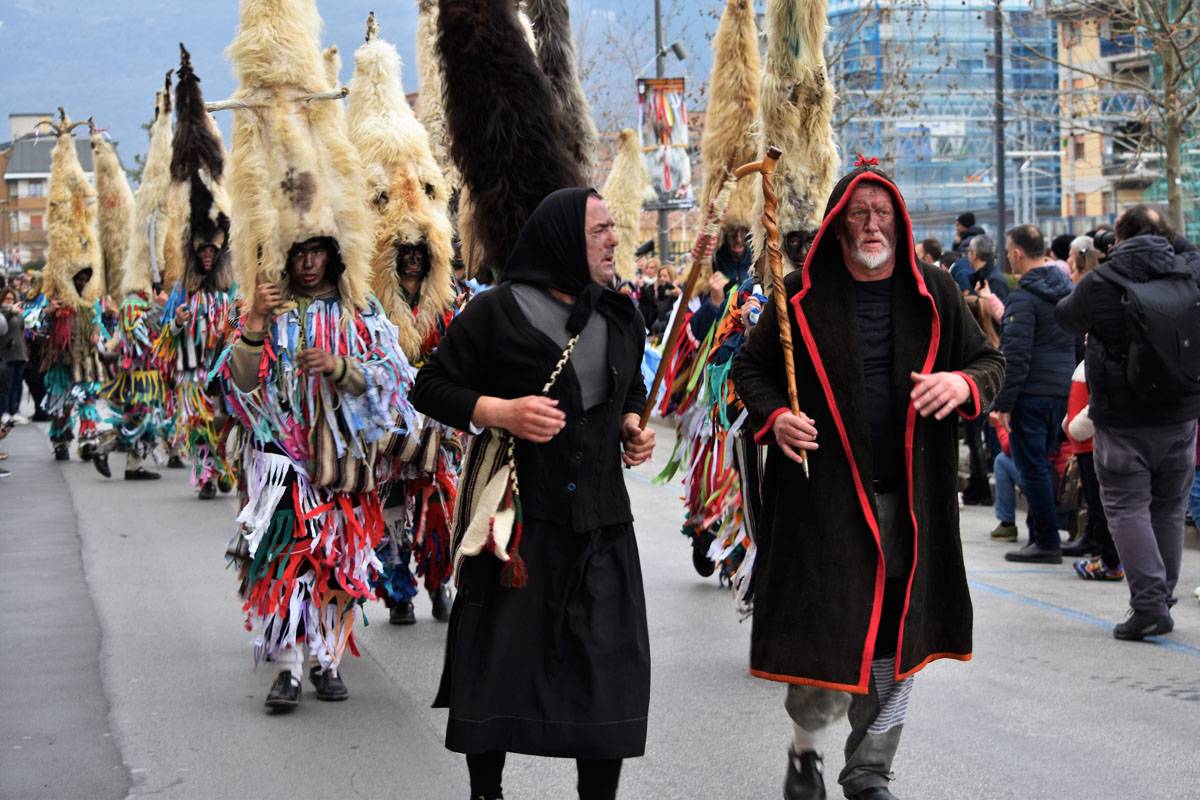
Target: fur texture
{"x": 506, "y": 134}
{"x": 551, "y": 22}
{"x": 431, "y": 103}
{"x": 71, "y": 224}
{"x": 797, "y": 113}
{"x": 197, "y": 169}
{"x": 407, "y": 191}
{"x": 150, "y": 203}
{"x": 730, "y": 124}
{"x": 114, "y": 209}
{"x": 293, "y": 173}
{"x": 623, "y": 193}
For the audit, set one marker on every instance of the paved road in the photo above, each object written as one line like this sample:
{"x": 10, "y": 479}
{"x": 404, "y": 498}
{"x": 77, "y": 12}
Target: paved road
{"x": 1051, "y": 707}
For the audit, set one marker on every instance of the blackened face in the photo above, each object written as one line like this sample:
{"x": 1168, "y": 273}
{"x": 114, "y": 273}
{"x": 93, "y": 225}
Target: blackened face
{"x": 412, "y": 261}
{"x": 795, "y": 246}
{"x": 81, "y": 279}
{"x": 306, "y": 268}
{"x": 206, "y": 257}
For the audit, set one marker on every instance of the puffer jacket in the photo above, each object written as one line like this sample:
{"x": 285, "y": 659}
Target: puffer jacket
{"x": 1039, "y": 354}
{"x": 1095, "y": 308}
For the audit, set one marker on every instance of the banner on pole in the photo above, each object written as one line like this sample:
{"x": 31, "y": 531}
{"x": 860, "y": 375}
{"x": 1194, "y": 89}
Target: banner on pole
{"x": 663, "y": 135}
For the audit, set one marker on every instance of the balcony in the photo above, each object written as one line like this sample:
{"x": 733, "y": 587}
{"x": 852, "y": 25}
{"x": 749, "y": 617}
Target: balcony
{"x": 1132, "y": 171}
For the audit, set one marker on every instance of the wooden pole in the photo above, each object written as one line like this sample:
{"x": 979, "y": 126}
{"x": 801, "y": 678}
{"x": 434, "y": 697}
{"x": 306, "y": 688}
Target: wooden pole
{"x": 770, "y": 220}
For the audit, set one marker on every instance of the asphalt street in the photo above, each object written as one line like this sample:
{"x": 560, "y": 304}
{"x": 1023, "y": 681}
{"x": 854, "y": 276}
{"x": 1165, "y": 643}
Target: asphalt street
{"x": 126, "y": 672}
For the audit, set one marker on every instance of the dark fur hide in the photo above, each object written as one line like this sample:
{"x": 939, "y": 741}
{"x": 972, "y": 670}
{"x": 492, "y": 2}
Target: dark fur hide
{"x": 506, "y": 136}
{"x": 195, "y": 145}
{"x": 556, "y": 56}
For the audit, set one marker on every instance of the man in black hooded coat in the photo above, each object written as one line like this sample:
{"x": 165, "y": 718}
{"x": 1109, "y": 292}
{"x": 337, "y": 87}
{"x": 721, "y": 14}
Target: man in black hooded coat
{"x": 859, "y": 579}
{"x": 561, "y": 666}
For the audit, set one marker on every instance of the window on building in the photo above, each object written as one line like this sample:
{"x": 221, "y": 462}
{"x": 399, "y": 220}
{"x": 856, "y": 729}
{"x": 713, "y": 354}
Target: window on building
{"x": 1080, "y": 147}
{"x": 36, "y": 189}
{"x": 1080, "y": 204}
{"x": 35, "y": 222}
{"x": 1109, "y": 205}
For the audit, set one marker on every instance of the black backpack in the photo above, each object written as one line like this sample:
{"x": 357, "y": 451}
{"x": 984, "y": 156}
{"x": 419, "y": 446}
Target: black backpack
{"x": 1162, "y": 323}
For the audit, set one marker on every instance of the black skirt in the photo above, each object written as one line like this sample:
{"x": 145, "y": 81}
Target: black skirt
{"x": 560, "y": 667}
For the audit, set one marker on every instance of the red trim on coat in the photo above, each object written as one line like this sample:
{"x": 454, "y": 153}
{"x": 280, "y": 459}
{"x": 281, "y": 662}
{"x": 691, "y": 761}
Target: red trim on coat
{"x": 766, "y": 434}
{"x": 838, "y": 687}
{"x": 910, "y": 423}
{"x": 929, "y": 660}
{"x": 974, "y": 397}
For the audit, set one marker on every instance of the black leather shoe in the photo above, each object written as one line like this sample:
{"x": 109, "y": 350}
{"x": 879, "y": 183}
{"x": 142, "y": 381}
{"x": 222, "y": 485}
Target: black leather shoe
{"x": 86, "y": 451}
{"x": 175, "y": 462}
{"x": 700, "y": 560}
{"x": 1083, "y": 546}
{"x": 224, "y": 485}
{"x": 402, "y": 614}
{"x": 329, "y": 684}
{"x": 208, "y": 490}
{"x": 873, "y": 793}
{"x": 1033, "y": 554}
{"x": 442, "y": 602}
{"x": 62, "y": 452}
{"x": 978, "y": 493}
{"x": 139, "y": 474}
{"x": 285, "y": 692}
{"x": 1141, "y": 624}
{"x": 805, "y": 776}
{"x": 100, "y": 462}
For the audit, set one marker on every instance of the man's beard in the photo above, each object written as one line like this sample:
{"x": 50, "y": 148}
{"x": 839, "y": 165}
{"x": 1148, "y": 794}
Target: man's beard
{"x": 872, "y": 261}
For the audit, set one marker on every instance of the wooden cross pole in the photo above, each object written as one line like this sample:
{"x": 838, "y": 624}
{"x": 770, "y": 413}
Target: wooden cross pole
{"x": 770, "y": 221}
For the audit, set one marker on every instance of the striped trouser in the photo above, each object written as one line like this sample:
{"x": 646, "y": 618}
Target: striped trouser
{"x": 876, "y": 721}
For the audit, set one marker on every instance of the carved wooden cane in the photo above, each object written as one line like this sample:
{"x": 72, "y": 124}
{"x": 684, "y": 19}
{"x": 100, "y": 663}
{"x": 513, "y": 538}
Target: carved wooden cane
{"x": 770, "y": 217}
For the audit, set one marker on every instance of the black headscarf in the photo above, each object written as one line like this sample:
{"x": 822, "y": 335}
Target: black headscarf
{"x": 551, "y": 252}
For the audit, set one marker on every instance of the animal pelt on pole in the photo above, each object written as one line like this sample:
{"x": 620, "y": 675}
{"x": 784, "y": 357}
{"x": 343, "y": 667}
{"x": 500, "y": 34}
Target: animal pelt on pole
{"x": 114, "y": 209}
{"x": 431, "y": 105}
{"x": 623, "y": 194}
{"x": 293, "y": 173}
{"x": 148, "y": 246}
{"x": 406, "y": 188}
{"x": 551, "y": 22}
{"x": 797, "y": 113}
{"x": 730, "y": 136}
{"x": 71, "y": 223}
{"x": 507, "y": 136}
{"x": 197, "y": 169}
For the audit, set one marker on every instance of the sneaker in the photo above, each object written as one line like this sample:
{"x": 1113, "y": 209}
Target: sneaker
{"x": 139, "y": 474}
{"x": 1093, "y": 569}
{"x": 442, "y": 603}
{"x": 1141, "y": 624}
{"x": 100, "y": 462}
{"x": 402, "y": 614}
{"x": 700, "y": 561}
{"x": 4, "y": 473}
{"x": 1004, "y": 532}
{"x": 329, "y": 684}
{"x": 208, "y": 490}
{"x": 175, "y": 462}
{"x": 805, "y": 776}
{"x": 1033, "y": 554}
{"x": 285, "y": 692}
{"x": 17, "y": 419}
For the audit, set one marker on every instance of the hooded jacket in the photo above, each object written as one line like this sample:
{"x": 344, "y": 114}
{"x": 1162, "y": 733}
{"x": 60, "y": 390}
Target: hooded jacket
{"x": 819, "y": 573}
{"x": 1095, "y": 308}
{"x": 1039, "y": 355}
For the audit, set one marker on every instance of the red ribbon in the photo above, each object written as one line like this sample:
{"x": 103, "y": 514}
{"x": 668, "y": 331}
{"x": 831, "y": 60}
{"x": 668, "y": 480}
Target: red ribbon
{"x": 863, "y": 161}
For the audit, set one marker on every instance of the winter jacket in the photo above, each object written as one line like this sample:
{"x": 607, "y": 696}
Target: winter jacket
{"x": 1095, "y": 308}
{"x": 1039, "y": 355}
{"x": 961, "y": 270}
{"x": 995, "y": 280}
{"x": 737, "y": 271}
{"x": 12, "y": 339}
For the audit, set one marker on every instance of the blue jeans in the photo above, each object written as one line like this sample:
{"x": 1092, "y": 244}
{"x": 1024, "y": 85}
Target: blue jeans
{"x": 1007, "y": 481}
{"x": 1034, "y": 436}
{"x": 1194, "y": 498}
{"x": 12, "y": 401}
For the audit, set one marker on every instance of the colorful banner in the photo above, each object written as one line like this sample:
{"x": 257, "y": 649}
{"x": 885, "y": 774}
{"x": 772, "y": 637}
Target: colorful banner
{"x": 663, "y": 135}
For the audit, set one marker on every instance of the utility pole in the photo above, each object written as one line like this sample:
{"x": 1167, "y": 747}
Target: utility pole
{"x": 998, "y": 171}
{"x": 664, "y": 237}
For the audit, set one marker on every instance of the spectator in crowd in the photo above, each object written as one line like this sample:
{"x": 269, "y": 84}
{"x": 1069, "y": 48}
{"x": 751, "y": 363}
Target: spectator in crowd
{"x": 1104, "y": 238}
{"x": 981, "y": 254}
{"x": 1040, "y": 358}
{"x": 648, "y": 272}
{"x": 1007, "y": 481}
{"x": 13, "y": 356}
{"x": 665, "y": 293}
{"x": 965, "y": 230}
{"x": 1082, "y": 258}
{"x": 929, "y": 251}
{"x": 731, "y": 268}
{"x": 1060, "y": 251}
{"x": 946, "y": 261}
{"x": 1101, "y": 561}
{"x": 1143, "y": 406}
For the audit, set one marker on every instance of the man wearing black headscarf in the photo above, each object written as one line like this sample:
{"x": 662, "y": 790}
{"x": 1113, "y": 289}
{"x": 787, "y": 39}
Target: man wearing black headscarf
{"x": 561, "y": 666}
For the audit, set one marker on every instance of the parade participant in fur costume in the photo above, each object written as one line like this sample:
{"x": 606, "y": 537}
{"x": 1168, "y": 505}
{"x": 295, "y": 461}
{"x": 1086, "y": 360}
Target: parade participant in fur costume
{"x": 412, "y": 278}
{"x": 550, "y": 21}
{"x": 201, "y": 311}
{"x": 624, "y": 192}
{"x": 136, "y": 389}
{"x": 74, "y": 281}
{"x": 859, "y": 580}
{"x": 317, "y": 378}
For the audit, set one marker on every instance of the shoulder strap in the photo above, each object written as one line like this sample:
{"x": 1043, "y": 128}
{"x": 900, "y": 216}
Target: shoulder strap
{"x": 562, "y": 362}
{"x": 1106, "y": 272}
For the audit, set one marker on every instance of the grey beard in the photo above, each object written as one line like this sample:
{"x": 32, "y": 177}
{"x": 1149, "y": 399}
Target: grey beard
{"x": 874, "y": 261}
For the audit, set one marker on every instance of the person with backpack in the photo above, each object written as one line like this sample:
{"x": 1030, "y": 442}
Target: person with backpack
{"x": 1140, "y": 310}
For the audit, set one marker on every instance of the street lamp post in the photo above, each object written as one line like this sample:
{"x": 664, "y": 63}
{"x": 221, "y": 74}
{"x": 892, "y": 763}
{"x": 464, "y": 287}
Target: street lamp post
{"x": 998, "y": 58}
{"x": 664, "y": 238}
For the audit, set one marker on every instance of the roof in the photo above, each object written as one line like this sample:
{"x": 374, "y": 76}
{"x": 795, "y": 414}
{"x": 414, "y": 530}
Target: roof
{"x": 31, "y": 155}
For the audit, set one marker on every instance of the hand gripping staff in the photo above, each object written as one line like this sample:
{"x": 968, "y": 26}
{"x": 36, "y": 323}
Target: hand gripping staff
{"x": 766, "y": 168}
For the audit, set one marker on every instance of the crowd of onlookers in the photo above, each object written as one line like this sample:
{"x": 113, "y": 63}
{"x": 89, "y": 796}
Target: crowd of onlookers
{"x": 17, "y": 352}
{"x": 1095, "y": 424}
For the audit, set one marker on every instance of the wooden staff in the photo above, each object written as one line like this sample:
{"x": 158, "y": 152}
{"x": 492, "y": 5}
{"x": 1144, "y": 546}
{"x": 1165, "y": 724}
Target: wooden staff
{"x": 701, "y": 251}
{"x": 770, "y": 217}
